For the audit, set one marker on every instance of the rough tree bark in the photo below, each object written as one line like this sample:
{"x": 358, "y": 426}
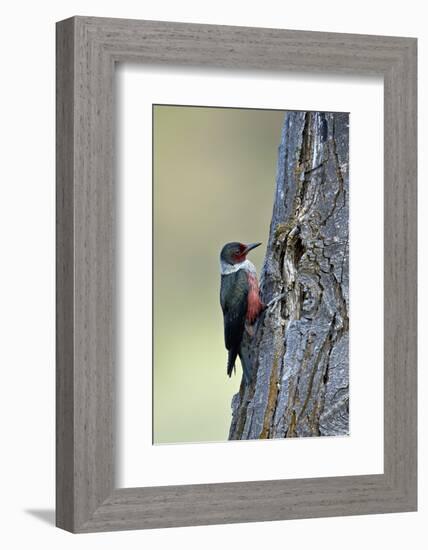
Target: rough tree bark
{"x": 299, "y": 350}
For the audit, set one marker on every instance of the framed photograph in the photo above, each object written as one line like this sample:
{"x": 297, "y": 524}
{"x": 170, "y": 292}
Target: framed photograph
{"x": 236, "y": 274}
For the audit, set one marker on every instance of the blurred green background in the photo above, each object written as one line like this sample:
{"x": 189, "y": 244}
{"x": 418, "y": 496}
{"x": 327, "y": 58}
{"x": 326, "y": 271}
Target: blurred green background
{"x": 214, "y": 180}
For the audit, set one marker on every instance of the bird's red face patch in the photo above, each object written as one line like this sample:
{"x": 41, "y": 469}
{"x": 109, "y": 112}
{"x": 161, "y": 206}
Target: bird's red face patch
{"x": 240, "y": 255}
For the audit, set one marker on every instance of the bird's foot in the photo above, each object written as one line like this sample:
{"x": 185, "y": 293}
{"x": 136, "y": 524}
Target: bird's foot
{"x": 249, "y": 329}
{"x": 275, "y": 300}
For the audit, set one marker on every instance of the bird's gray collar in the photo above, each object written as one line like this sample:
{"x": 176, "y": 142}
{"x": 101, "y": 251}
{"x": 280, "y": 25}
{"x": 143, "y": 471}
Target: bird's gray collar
{"x": 227, "y": 269}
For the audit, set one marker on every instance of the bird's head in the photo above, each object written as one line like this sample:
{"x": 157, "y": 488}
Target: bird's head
{"x": 235, "y": 253}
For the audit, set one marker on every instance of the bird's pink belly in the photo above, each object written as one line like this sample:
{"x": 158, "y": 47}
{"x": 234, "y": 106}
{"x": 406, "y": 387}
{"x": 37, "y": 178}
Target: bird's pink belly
{"x": 254, "y": 303}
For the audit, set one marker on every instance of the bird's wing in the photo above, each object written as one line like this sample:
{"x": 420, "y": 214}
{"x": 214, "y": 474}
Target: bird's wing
{"x": 234, "y": 303}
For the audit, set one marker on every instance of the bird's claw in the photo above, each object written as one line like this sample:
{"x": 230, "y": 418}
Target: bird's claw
{"x": 275, "y": 300}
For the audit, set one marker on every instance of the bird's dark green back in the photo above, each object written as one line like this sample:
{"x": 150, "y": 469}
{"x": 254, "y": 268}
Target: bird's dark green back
{"x": 234, "y": 302}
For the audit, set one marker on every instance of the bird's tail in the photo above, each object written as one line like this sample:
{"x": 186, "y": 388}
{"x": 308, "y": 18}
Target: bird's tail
{"x": 233, "y": 354}
{"x": 245, "y": 362}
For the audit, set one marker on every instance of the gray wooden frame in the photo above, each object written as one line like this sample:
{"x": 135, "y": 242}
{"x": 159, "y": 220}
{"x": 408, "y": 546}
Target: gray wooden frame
{"x": 87, "y": 50}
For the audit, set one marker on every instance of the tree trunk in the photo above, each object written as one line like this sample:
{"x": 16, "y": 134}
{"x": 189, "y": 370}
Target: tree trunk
{"x": 299, "y": 350}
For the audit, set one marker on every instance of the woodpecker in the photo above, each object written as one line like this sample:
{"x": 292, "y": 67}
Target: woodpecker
{"x": 239, "y": 299}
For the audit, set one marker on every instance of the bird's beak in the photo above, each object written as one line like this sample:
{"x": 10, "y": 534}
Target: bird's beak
{"x": 251, "y": 246}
